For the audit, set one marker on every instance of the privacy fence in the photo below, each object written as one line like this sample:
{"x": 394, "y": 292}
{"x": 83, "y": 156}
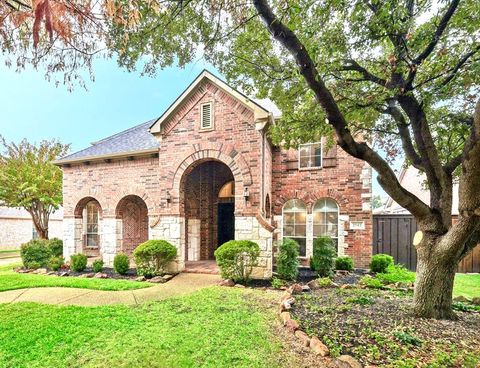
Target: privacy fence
{"x": 393, "y": 234}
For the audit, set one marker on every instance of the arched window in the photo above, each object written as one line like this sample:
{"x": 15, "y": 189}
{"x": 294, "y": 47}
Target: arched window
{"x": 227, "y": 190}
{"x": 325, "y": 219}
{"x": 295, "y": 223}
{"x": 91, "y": 237}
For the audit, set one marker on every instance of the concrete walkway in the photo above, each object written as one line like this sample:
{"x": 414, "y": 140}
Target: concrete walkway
{"x": 180, "y": 285}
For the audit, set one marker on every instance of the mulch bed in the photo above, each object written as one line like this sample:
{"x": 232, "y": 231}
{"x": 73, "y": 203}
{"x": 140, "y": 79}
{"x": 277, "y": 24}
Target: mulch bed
{"x": 377, "y": 328}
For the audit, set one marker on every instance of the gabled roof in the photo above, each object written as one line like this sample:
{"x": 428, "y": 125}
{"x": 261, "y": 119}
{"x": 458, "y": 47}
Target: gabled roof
{"x": 135, "y": 140}
{"x": 261, "y": 113}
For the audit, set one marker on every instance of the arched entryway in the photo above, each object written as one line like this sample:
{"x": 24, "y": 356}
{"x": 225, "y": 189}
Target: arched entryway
{"x": 133, "y": 213}
{"x": 208, "y": 204}
{"x": 88, "y": 212}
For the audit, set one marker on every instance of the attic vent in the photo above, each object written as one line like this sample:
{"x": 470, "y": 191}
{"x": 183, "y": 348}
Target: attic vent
{"x": 206, "y": 116}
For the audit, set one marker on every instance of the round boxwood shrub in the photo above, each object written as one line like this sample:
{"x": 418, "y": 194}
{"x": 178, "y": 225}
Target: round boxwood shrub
{"x": 153, "y": 256}
{"x": 97, "y": 265}
{"x": 55, "y": 263}
{"x": 35, "y": 253}
{"x": 56, "y": 247}
{"x": 324, "y": 253}
{"x": 121, "y": 263}
{"x": 287, "y": 259}
{"x": 236, "y": 259}
{"x": 344, "y": 263}
{"x": 380, "y": 263}
{"x": 78, "y": 262}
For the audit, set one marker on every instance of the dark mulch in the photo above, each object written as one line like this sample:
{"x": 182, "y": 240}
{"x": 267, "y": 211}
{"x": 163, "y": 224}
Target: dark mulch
{"x": 130, "y": 275}
{"x": 377, "y": 328}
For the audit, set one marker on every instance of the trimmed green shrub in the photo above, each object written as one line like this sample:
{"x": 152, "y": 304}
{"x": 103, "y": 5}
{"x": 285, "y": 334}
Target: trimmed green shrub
{"x": 153, "y": 256}
{"x": 380, "y": 262}
{"x": 287, "y": 259}
{"x": 121, "y": 263}
{"x": 35, "y": 253}
{"x": 55, "y": 263}
{"x": 56, "y": 247}
{"x": 396, "y": 273}
{"x": 344, "y": 263}
{"x": 277, "y": 283}
{"x": 324, "y": 253}
{"x": 78, "y": 262}
{"x": 97, "y": 265}
{"x": 236, "y": 259}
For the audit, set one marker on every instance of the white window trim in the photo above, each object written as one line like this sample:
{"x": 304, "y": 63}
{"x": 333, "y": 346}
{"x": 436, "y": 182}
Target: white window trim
{"x": 212, "y": 121}
{"x": 321, "y": 156}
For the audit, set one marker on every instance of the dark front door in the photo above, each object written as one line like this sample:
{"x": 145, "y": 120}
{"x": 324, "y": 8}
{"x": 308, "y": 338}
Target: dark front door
{"x": 226, "y": 222}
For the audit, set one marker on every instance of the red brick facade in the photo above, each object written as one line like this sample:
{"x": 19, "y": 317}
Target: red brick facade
{"x": 179, "y": 185}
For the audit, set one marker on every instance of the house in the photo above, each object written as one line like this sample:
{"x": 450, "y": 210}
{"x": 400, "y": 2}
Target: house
{"x": 16, "y": 227}
{"x": 206, "y": 172}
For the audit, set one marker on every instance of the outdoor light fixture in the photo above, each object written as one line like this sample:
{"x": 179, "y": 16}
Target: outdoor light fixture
{"x": 246, "y": 193}
{"x": 169, "y": 197}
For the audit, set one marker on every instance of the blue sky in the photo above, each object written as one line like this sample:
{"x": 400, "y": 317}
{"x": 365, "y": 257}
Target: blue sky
{"x": 34, "y": 108}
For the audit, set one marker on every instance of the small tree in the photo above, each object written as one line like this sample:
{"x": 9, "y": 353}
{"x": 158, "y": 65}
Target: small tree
{"x": 29, "y": 179}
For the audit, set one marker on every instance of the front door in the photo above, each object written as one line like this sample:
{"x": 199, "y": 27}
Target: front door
{"x": 226, "y": 222}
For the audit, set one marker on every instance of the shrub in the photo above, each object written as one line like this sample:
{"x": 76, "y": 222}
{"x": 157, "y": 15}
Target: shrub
{"x": 344, "y": 263}
{"x": 56, "y": 263}
{"x": 396, "y": 273}
{"x": 380, "y": 262}
{"x": 370, "y": 282}
{"x": 287, "y": 259}
{"x": 121, "y": 263}
{"x": 35, "y": 253}
{"x": 97, "y": 265}
{"x": 277, "y": 283}
{"x": 236, "y": 259}
{"x": 56, "y": 247}
{"x": 323, "y": 257}
{"x": 153, "y": 256}
{"x": 325, "y": 282}
{"x": 78, "y": 262}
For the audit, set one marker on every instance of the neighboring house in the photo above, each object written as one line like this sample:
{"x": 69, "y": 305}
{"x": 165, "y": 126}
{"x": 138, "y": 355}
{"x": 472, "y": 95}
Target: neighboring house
{"x": 16, "y": 227}
{"x": 205, "y": 172}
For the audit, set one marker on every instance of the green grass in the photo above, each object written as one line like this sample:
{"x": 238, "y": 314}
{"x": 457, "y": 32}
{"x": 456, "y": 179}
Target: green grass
{"x": 215, "y": 327}
{"x": 467, "y": 285}
{"x": 10, "y": 280}
{"x": 9, "y": 251}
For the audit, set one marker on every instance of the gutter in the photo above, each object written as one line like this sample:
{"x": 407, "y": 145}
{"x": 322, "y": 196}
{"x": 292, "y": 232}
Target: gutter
{"x": 105, "y": 156}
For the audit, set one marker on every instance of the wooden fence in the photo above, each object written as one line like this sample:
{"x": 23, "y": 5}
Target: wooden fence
{"x": 393, "y": 234}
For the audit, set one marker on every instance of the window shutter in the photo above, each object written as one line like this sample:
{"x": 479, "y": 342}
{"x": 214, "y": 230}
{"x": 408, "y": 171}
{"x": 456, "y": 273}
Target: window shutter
{"x": 329, "y": 155}
{"x": 206, "y": 116}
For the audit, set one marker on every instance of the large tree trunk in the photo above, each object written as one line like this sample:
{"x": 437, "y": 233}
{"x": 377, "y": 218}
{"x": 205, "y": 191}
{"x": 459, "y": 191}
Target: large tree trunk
{"x": 434, "y": 287}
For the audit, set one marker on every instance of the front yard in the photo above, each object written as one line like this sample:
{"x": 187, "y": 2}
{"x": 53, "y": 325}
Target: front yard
{"x": 10, "y": 280}
{"x": 215, "y": 327}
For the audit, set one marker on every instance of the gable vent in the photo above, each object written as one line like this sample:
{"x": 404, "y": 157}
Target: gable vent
{"x": 206, "y": 116}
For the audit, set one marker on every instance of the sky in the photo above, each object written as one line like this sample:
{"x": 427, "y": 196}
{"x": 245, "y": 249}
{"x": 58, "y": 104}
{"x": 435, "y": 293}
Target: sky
{"x": 34, "y": 108}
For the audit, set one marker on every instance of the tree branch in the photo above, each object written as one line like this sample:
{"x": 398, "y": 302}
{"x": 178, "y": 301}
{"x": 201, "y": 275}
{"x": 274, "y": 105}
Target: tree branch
{"x": 353, "y": 65}
{"x": 307, "y": 68}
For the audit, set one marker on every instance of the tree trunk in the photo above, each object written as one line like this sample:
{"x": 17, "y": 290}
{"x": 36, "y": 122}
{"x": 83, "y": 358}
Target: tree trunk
{"x": 434, "y": 285}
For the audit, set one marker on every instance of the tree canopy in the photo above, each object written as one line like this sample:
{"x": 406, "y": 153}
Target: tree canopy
{"x": 30, "y": 180}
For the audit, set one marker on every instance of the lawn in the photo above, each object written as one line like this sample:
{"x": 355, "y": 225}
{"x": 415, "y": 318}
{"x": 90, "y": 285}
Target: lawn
{"x": 214, "y": 327}
{"x": 467, "y": 285}
{"x": 10, "y": 280}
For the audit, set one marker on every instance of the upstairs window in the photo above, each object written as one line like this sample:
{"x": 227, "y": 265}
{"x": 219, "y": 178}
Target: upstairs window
{"x": 206, "y": 116}
{"x": 310, "y": 155}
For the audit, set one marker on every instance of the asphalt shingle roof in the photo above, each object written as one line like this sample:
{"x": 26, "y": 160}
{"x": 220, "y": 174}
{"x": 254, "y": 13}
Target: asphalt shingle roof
{"x": 137, "y": 138}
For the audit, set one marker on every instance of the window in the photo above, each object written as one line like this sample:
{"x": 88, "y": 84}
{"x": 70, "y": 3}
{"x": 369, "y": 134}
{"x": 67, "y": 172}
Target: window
{"x": 310, "y": 155}
{"x": 206, "y": 116}
{"x": 295, "y": 223}
{"x": 325, "y": 219}
{"x": 92, "y": 237}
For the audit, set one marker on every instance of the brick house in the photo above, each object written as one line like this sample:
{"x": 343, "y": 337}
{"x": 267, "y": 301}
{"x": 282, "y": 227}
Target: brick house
{"x": 206, "y": 172}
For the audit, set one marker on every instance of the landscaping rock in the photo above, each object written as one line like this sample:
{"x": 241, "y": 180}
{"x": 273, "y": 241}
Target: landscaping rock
{"x": 295, "y": 289}
{"x": 22, "y": 270}
{"x": 287, "y": 304}
{"x": 285, "y": 317}
{"x": 292, "y": 325}
{"x": 313, "y": 285}
{"x": 41, "y": 271}
{"x": 318, "y": 347}
{"x": 303, "y": 337}
{"x": 347, "y": 361}
{"x": 156, "y": 280}
{"x": 100, "y": 275}
{"x": 239, "y": 286}
{"x": 285, "y": 296}
{"x": 168, "y": 277}
{"x": 63, "y": 274}
{"x": 461, "y": 299}
{"x": 140, "y": 278}
{"x": 476, "y": 300}
{"x": 227, "y": 282}
{"x": 348, "y": 286}
{"x": 342, "y": 272}
{"x": 306, "y": 288}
